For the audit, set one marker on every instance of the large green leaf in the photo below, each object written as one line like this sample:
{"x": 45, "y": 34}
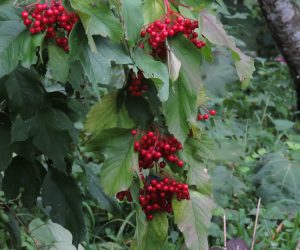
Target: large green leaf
{"x": 225, "y": 185}
{"x": 98, "y": 19}
{"x": 213, "y": 30}
{"x": 195, "y": 152}
{"x": 16, "y": 43}
{"x": 96, "y": 64}
{"x": 97, "y": 192}
{"x": 277, "y": 182}
{"x": 156, "y": 232}
{"x": 105, "y": 115}
{"x": 50, "y": 235}
{"x": 5, "y": 148}
{"x": 139, "y": 110}
{"x": 153, "y": 10}
{"x": 181, "y": 108}
{"x": 141, "y": 227}
{"x": 26, "y": 175}
{"x": 58, "y": 63}
{"x": 25, "y": 92}
{"x": 190, "y": 59}
{"x": 217, "y": 74}
{"x": 153, "y": 70}
{"x": 133, "y": 19}
{"x": 52, "y": 133}
{"x": 62, "y": 194}
{"x": 120, "y": 160}
{"x": 193, "y": 219}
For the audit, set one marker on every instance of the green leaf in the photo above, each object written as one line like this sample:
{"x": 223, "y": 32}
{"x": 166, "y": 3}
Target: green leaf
{"x": 283, "y": 125}
{"x": 218, "y": 74}
{"x": 25, "y": 92}
{"x": 226, "y": 185}
{"x": 153, "y": 70}
{"x": 52, "y": 133}
{"x": 16, "y": 43}
{"x": 50, "y": 235}
{"x": 181, "y": 108}
{"x": 156, "y": 233}
{"x": 26, "y": 175}
{"x": 13, "y": 229}
{"x": 5, "y": 148}
{"x": 198, "y": 5}
{"x": 195, "y": 152}
{"x": 62, "y": 194}
{"x": 120, "y": 159}
{"x": 277, "y": 181}
{"x": 190, "y": 59}
{"x": 58, "y": 63}
{"x": 98, "y": 19}
{"x": 104, "y": 115}
{"x": 133, "y": 19}
{"x": 139, "y": 110}
{"x": 153, "y": 10}
{"x": 213, "y": 30}
{"x": 193, "y": 219}
{"x": 141, "y": 227}
{"x": 97, "y": 193}
{"x": 97, "y": 65}
{"x": 174, "y": 64}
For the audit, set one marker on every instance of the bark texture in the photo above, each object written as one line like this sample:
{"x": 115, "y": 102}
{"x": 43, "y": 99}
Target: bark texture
{"x": 283, "y": 18}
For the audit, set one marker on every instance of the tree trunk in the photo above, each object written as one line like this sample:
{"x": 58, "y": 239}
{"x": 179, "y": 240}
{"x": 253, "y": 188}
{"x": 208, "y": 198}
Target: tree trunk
{"x": 283, "y": 18}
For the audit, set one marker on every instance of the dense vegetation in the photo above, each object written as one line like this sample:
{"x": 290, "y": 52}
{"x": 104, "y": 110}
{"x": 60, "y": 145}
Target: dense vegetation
{"x": 73, "y": 127}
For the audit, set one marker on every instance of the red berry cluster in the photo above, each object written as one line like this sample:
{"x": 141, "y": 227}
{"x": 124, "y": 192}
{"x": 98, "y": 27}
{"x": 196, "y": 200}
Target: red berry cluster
{"x": 157, "y": 196}
{"x": 169, "y": 26}
{"x": 155, "y": 149}
{"x": 53, "y": 19}
{"x": 136, "y": 85}
{"x": 204, "y": 117}
{"x": 124, "y": 194}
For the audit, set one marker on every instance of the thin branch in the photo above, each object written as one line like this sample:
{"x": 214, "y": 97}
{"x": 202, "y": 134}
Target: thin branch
{"x": 225, "y": 231}
{"x": 255, "y": 225}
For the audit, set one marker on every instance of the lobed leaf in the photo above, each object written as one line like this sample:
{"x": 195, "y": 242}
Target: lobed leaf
{"x": 62, "y": 194}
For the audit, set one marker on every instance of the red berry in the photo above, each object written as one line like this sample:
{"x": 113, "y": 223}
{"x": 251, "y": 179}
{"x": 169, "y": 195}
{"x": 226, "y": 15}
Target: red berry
{"x": 206, "y": 116}
{"x": 213, "y": 112}
{"x": 143, "y": 33}
{"x": 24, "y": 14}
{"x": 179, "y": 20}
{"x": 180, "y": 164}
{"x": 200, "y": 117}
{"x": 162, "y": 164}
{"x": 61, "y": 8}
{"x": 27, "y": 22}
{"x": 49, "y": 12}
{"x": 133, "y": 132}
{"x": 149, "y": 217}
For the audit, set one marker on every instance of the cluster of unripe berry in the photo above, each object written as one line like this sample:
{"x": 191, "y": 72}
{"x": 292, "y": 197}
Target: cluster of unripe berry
{"x": 170, "y": 25}
{"x": 136, "y": 85}
{"x": 206, "y": 116}
{"x": 52, "y": 19}
{"x": 158, "y": 194}
{"x": 156, "y": 150}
